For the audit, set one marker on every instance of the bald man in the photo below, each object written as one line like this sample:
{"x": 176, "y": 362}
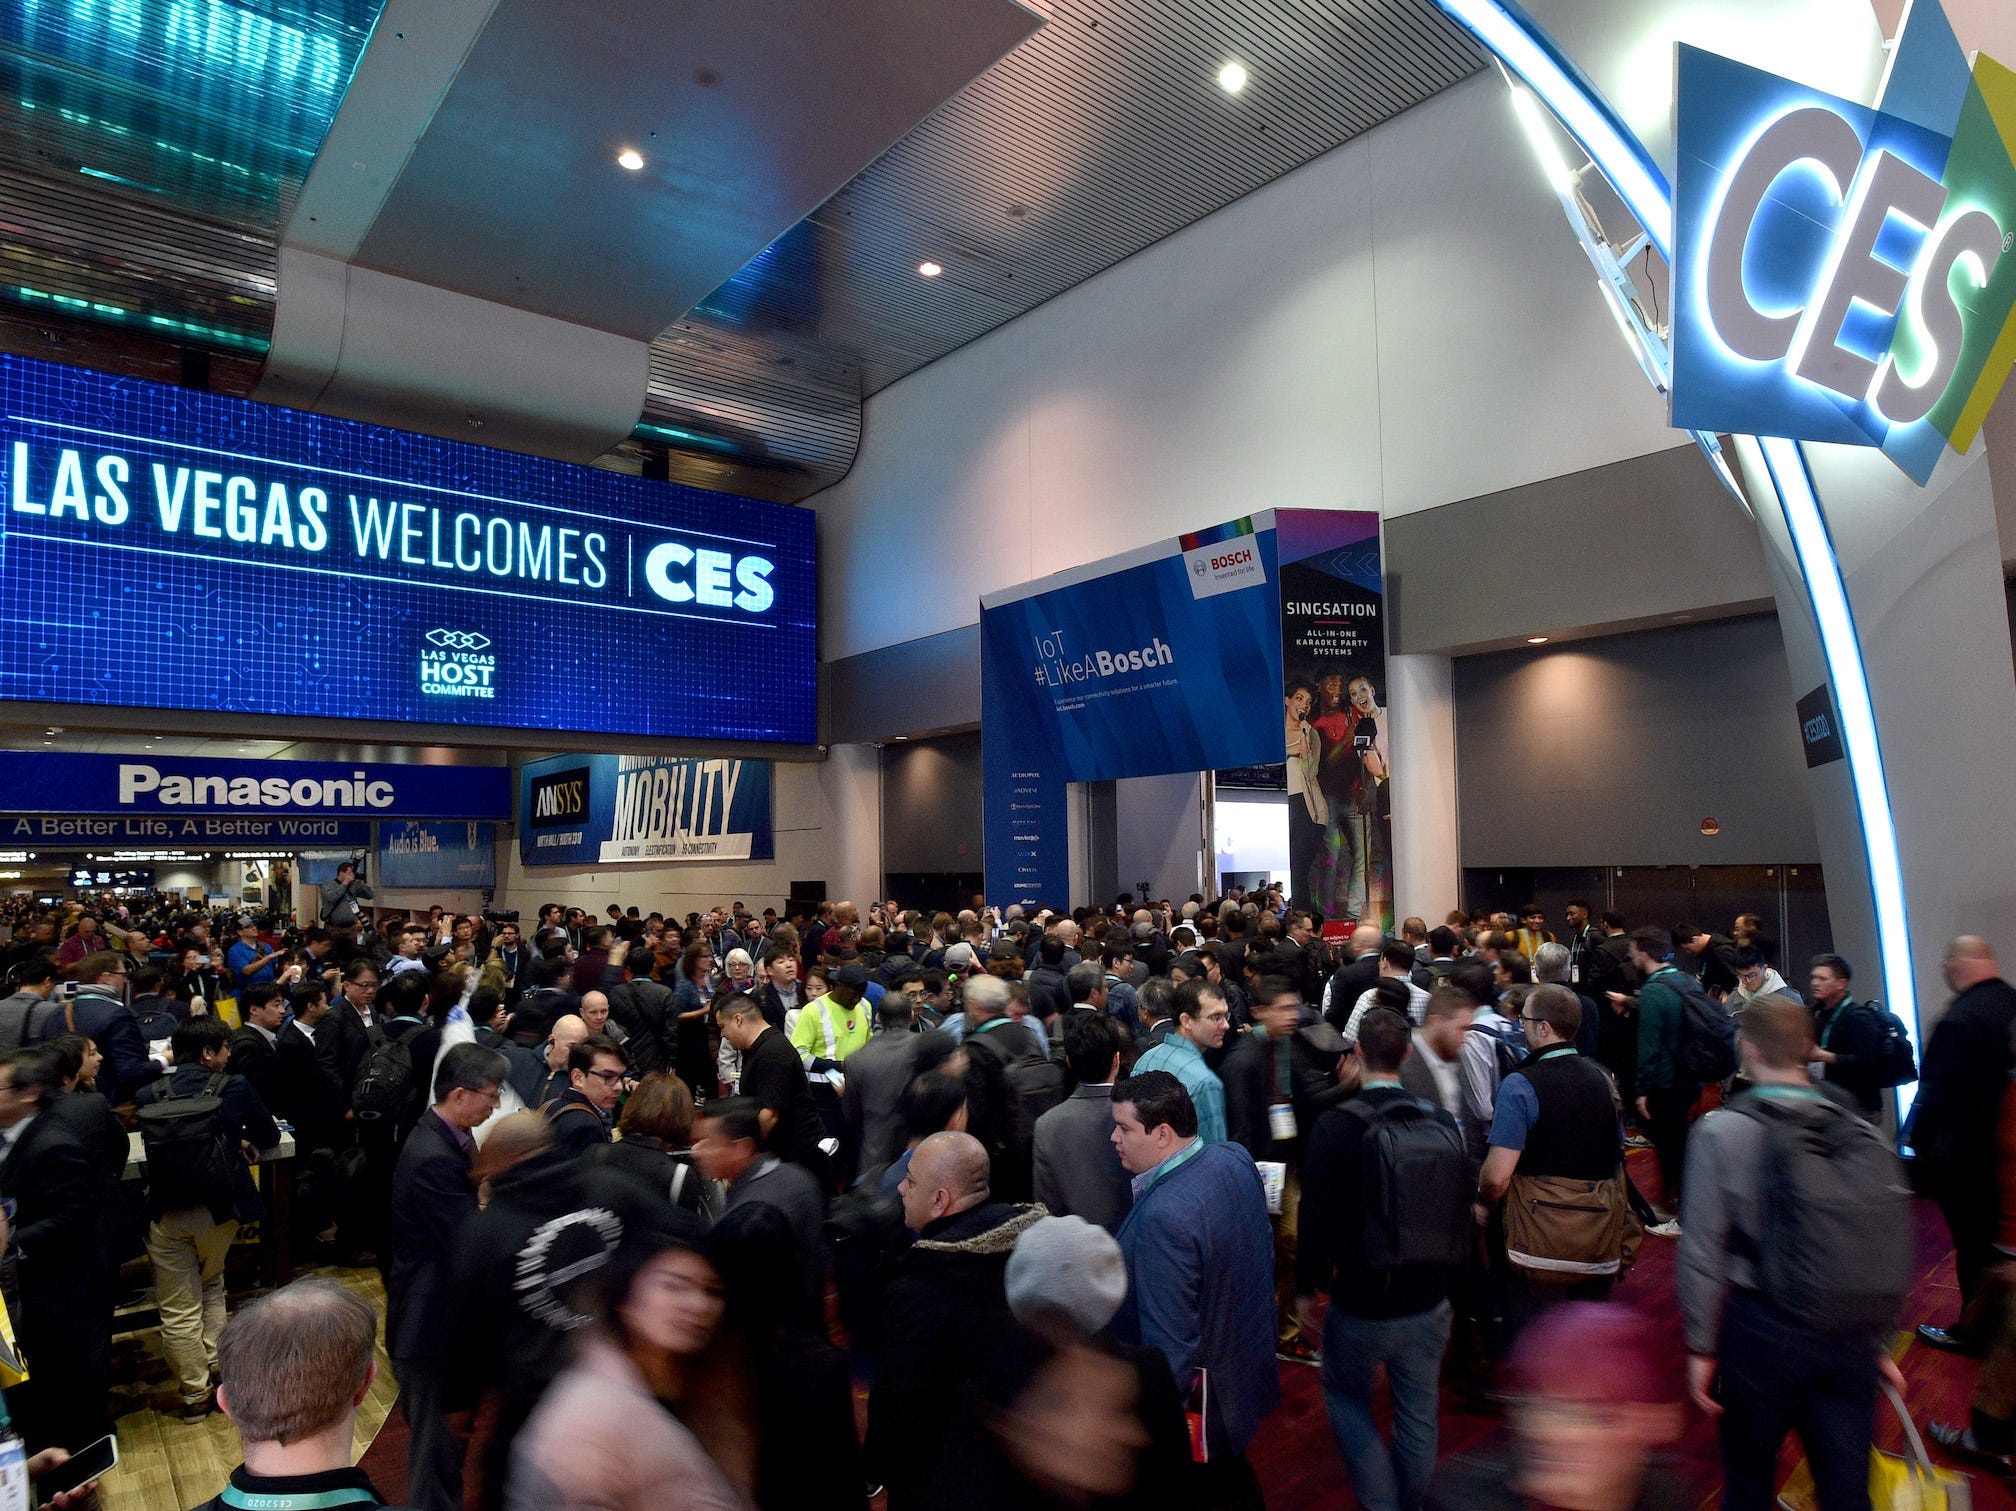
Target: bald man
{"x": 1953, "y": 1126}
{"x": 568, "y": 1031}
{"x": 1356, "y": 979}
{"x": 945, "y": 1329}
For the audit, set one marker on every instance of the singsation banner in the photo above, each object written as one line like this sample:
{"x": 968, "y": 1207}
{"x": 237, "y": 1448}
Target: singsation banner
{"x": 599, "y": 809}
{"x": 1337, "y": 734}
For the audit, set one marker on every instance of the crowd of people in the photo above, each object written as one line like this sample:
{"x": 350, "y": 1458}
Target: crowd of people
{"x": 1060, "y": 1192}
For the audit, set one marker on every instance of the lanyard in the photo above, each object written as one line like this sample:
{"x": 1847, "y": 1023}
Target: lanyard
{"x": 1155, "y": 1175}
{"x": 310, "y": 1500}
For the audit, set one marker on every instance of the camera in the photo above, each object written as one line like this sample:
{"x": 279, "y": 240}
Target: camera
{"x": 500, "y": 915}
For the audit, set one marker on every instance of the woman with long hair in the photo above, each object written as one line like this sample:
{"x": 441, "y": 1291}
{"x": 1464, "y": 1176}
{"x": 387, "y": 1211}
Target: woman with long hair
{"x": 644, "y": 1417}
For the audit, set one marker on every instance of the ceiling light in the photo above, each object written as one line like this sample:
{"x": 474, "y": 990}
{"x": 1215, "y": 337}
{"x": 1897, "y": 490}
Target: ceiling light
{"x": 1536, "y": 639}
{"x": 630, "y": 158}
{"x": 1232, "y": 77}
{"x": 928, "y": 269}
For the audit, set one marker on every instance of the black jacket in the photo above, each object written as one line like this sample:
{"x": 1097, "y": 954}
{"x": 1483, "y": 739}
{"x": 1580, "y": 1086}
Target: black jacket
{"x": 1852, "y": 1032}
{"x": 1960, "y": 1089}
{"x": 1330, "y": 1247}
{"x": 644, "y": 1009}
{"x": 511, "y": 1320}
{"x": 1250, "y": 1071}
{"x": 433, "y": 1196}
{"x": 58, "y": 1190}
{"x": 312, "y": 1094}
{"x": 254, "y": 1059}
{"x": 577, "y": 1126}
{"x": 946, "y": 1337}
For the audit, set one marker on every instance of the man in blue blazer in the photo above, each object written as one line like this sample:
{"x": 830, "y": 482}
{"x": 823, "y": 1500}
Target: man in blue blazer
{"x": 433, "y": 1195}
{"x": 1200, "y": 1270}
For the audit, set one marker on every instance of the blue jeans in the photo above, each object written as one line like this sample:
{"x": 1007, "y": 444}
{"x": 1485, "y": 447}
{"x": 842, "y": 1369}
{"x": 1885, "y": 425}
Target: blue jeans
{"x": 1411, "y": 1349}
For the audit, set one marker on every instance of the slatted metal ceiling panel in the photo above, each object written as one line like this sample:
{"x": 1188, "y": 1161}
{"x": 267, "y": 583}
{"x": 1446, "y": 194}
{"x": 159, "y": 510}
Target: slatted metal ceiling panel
{"x": 68, "y": 247}
{"x": 1103, "y": 133}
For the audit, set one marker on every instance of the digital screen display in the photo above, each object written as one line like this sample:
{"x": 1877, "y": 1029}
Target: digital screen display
{"x": 170, "y": 549}
{"x": 88, "y": 876}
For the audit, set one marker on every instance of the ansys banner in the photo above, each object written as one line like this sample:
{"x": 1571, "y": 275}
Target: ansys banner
{"x": 1333, "y": 651}
{"x": 599, "y": 809}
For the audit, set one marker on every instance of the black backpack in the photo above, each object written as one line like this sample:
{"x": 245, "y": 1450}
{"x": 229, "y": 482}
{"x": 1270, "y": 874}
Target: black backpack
{"x": 1835, "y": 1251}
{"x": 1417, "y": 1188}
{"x": 384, "y": 1082}
{"x": 1034, "y": 1085}
{"x": 1707, "y": 1034}
{"x": 191, "y": 1158}
{"x": 1900, "y": 1065}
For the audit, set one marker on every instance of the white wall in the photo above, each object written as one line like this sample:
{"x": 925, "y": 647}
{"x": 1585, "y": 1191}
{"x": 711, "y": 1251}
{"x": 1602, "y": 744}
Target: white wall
{"x": 1404, "y": 322}
{"x": 827, "y": 819}
{"x": 1158, "y": 827}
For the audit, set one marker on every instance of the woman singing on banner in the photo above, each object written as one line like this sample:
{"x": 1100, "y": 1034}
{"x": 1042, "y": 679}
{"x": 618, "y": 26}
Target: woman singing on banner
{"x": 1308, "y": 809}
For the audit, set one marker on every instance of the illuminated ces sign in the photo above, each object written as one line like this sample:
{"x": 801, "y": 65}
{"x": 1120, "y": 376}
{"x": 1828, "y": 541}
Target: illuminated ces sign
{"x": 168, "y": 549}
{"x": 1840, "y": 272}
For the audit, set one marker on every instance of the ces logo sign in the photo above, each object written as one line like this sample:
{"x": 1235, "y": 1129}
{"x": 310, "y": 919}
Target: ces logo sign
{"x": 1841, "y": 273}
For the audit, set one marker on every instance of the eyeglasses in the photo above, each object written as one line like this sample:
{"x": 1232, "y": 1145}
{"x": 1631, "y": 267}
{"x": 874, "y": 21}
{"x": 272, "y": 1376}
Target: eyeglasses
{"x": 607, "y": 1077}
{"x": 1529, "y": 1018}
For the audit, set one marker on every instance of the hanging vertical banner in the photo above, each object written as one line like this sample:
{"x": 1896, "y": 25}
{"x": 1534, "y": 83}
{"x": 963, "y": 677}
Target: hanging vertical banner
{"x": 1333, "y": 653}
{"x": 598, "y": 809}
{"x": 459, "y": 856}
{"x": 1155, "y": 662}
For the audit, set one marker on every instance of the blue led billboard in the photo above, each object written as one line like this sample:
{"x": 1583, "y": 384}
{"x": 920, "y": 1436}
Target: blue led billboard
{"x": 161, "y": 548}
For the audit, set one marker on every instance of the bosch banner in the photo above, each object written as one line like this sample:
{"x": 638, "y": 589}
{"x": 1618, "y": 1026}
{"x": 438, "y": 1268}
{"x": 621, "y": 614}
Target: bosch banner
{"x": 601, "y": 809}
{"x": 299, "y": 565}
{"x": 1167, "y": 659}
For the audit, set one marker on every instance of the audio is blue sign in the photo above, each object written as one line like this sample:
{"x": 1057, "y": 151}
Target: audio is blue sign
{"x": 1841, "y": 273}
{"x": 275, "y": 562}
{"x": 601, "y": 809}
{"x": 426, "y": 854}
{"x": 1164, "y": 660}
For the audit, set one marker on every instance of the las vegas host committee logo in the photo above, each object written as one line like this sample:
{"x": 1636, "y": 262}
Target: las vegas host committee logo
{"x": 454, "y": 664}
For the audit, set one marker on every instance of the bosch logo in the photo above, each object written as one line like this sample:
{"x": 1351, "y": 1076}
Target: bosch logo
{"x": 1200, "y": 566}
{"x": 1236, "y": 559}
{"x": 458, "y": 640}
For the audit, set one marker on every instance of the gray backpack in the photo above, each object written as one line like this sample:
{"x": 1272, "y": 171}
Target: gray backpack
{"x": 1834, "y": 1250}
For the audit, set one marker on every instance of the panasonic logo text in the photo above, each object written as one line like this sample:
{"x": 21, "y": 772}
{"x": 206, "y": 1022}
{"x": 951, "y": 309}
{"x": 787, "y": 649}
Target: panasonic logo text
{"x": 357, "y": 791}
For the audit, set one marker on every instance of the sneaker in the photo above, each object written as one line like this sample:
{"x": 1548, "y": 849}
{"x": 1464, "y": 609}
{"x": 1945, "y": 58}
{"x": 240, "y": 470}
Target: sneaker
{"x": 1637, "y": 1141}
{"x": 1295, "y": 1351}
{"x": 1959, "y": 1441}
{"x": 1670, "y": 1228}
{"x": 193, "y": 1411}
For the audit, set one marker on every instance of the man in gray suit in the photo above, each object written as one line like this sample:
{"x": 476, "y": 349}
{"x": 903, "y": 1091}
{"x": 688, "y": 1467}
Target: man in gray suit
{"x": 876, "y": 1074}
{"x": 1078, "y": 1172}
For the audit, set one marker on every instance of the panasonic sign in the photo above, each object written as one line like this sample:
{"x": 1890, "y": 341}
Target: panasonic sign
{"x": 1841, "y": 272}
{"x": 210, "y": 792}
{"x": 53, "y": 782}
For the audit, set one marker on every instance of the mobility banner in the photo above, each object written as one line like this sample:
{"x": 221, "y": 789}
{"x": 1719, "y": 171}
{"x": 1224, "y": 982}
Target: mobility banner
{"x": 459, "y": 856}
{"x": 1141, "y": 665}
{"x": 36, "y": 782}
{"x": 1333, "y": 649}
{"x": 599, "y": 809}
